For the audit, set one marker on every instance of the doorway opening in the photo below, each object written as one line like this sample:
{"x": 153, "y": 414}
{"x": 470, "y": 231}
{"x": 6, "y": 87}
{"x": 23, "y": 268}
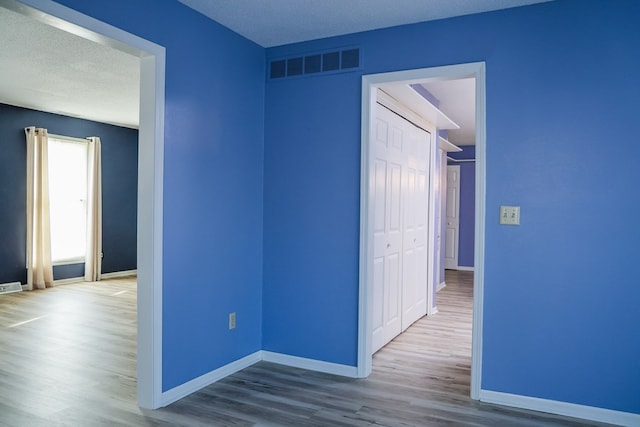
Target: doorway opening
{"x": 150, "y": 171}
{"x": 370, "y": 86}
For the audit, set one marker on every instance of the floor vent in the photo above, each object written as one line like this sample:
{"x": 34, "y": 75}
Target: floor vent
{"x": 315, "y": 63}
{"x": 9, "y": 288}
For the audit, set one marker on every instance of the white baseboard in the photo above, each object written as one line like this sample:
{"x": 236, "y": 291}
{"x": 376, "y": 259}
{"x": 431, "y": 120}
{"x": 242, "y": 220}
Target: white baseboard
{"x": 311, "y": 364}
{"x": 117, "y": 274}
{"x": 463, "y": 268}
{"x": 183, "y": 390}
{"x": 68, "y": 281}
{"x": 113, "y": 275}
{"x": 441, "y": 286}
{"x": 561, "y": 408}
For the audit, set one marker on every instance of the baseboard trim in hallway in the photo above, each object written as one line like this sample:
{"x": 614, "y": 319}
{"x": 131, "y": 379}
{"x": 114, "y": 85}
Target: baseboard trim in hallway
{"x": 561, "y": 408}
{"x": 190, "y": 387}
{"x": 311, "y": 364}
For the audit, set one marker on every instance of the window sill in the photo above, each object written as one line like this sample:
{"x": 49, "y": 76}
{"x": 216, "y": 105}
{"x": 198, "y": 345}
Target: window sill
{"x": 68, "y": 261}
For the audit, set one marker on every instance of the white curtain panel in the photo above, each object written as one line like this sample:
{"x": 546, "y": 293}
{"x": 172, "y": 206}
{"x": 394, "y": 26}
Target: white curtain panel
{"x": 39, "y": 267}
{"x": 93, "y": 260}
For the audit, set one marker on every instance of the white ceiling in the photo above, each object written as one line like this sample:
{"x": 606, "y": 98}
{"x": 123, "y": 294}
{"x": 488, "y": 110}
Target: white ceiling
{"x": 457, "y": 100}
{"x": 277, "y": 22}
{"x": 47, "y": 69}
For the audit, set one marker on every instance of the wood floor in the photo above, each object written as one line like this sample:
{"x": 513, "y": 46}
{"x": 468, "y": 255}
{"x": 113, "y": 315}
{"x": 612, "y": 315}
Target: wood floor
{"x": 67, "y": 358}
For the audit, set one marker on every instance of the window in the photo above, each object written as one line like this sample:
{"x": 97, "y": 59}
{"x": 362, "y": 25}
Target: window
{"x": 68, "y": 159}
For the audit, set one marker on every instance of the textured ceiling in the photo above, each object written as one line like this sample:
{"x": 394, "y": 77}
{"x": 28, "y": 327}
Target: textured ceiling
{"x": 47, "y": 69}
{"x": 277, "y": 22}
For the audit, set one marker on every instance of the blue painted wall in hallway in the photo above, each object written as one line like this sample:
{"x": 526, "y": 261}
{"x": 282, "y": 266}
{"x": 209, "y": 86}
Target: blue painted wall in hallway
{"x": 561, "y": 320}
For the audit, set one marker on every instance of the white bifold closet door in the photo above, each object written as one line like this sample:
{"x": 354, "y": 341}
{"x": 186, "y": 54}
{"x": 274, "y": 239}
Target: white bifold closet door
{"x": 400, "y": 192}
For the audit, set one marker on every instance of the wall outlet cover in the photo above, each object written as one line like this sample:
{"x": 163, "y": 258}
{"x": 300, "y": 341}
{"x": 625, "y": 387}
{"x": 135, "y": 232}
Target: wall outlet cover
{"x": 510, "y": 215}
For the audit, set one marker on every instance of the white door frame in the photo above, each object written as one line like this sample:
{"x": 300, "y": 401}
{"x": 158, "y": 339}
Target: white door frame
{"x": 150, "y": 176}
{"x": 369, "y": 85}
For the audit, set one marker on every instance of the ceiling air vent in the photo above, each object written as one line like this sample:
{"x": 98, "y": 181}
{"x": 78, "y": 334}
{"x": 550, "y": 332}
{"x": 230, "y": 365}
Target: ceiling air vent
{"x": 350, "y": 58}
{"x": 314, "y": 63}
{"x": 294, "y": 66}
{"x": 331, "y": 61}
{"x": 278, "y": 69}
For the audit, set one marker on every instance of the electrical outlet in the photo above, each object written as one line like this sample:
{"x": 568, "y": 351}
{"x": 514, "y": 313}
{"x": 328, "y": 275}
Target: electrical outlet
{"x": 232, "y": 320}
{"x": 510, "y": 215}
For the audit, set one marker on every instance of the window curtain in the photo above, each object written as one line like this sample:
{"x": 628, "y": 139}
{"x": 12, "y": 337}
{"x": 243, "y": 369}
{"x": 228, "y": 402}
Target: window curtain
{"x": 39, "y": 266}
{"x": 93, "y": 258}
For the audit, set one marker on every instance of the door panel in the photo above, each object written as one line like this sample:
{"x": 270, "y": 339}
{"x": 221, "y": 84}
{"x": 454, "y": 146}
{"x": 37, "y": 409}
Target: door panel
{"x": 452, "y": 227}
{"x": 416, "y": 227}
{"x": 387, "y": 220}
{"x": 400, "y": 191}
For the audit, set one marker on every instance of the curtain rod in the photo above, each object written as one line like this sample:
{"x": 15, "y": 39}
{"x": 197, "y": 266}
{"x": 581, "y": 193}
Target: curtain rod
{"x": 69, "y": 138}
{"x": 62, "y": 137}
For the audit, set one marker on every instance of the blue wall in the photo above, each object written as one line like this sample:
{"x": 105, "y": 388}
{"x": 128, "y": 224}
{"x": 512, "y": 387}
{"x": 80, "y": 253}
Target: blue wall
{"x": 467, "y": 204}
{"x": 214, "y": 124}
{"x": 561, "y": 319}
{"x": 311, "y": 216}
{"x": 119, "y": 197}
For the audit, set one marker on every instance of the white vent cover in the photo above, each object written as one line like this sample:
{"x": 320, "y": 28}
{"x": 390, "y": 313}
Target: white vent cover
{"x": 8, "y": 288}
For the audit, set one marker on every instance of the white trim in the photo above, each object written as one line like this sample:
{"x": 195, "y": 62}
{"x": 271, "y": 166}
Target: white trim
{"x": 463, "y": 268}
{"x": 310, "y": 364}
{"x": 478, "y": 277}
{"x": 150, "y": 176}
{"x": 118, "y": 274}
{"x": 402, "y": 110}
{"x": 441, "y": 286}
{"x": 150, "y": 212}
{"x": 460, "y": 160}
{"x": 369, "y": 96}
{"x": 68, "y": 281}
{"x": 590, "y": 413}
{"x": 408, "y": 97}
{"x": 183, "y": 390}
{"x": 71, "y": 261}
{"x": 448, "y": 146}
{"x": 369, "y": 85}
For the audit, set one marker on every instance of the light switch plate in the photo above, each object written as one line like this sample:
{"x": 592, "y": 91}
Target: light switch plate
{"x": 510, "y": 215}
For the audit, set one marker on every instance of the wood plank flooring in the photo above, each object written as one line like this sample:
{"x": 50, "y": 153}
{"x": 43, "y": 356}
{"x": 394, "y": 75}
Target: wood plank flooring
{"x": 72, "y": 363}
